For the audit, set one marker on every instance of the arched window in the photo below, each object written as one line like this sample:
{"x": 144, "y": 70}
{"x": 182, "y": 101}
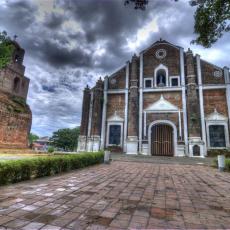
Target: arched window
{"x": 161, "y": 78}
{"x": 16, "y": 85}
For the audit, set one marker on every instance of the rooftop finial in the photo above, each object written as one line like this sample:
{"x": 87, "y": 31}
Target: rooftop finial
{"x": 15, "y": 37}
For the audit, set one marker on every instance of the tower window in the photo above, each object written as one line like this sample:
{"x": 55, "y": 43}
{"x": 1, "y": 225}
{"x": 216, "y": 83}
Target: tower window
{"x": 16, "y": 85}
{"x": 161, "y": 78}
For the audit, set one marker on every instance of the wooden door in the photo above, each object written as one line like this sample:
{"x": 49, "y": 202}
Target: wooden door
{"x": 162, "y": 140}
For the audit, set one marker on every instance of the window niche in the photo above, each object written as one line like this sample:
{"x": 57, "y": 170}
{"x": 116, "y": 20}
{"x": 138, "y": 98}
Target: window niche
{"x": 161, "y": 76}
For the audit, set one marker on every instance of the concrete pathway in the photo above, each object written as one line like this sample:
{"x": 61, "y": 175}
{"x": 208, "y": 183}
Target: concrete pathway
{"x": 122, "y": 195}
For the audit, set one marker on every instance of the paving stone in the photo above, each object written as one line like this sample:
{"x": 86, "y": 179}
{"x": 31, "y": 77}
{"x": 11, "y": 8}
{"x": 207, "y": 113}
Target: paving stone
{"x": 17, "y": 223}
{"x": 33, "y": 226}
{"x": 121, "y": 195}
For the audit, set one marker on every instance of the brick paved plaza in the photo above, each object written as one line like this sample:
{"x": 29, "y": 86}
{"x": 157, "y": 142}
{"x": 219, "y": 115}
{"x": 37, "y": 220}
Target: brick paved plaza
{"x": 119, "y": 196}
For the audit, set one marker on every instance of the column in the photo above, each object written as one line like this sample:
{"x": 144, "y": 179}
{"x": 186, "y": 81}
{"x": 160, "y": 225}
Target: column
{"x": 184, "y": 104}
{"x": 82, "y": 140}
{"x": 140, "y": 102}
{"x": 132, "y": 140}
{"x": 193, "y": 107}
{"x": 97, "y": 115}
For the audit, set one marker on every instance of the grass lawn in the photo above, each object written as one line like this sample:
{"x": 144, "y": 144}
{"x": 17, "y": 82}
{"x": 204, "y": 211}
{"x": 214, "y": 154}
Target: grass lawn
{"x": 15, "y": 154}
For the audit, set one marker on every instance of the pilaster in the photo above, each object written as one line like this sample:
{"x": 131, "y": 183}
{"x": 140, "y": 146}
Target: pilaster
{"x": 227, "y": 82}
{"x": 201, "y": 102}
{"x": 184, "y": 103}
{"x": 132, "y": 140}
{"x": 126, "y": 106}
{"x": 140, "y": 102}
{"x": 90, "y": 114}
{"x": 104, "y": 112}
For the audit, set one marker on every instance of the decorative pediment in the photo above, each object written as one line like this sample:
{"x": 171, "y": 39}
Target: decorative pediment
{"x": 115, "y": 117}
{"x": 215, "y": 116}
{"x": 162, "y": 105}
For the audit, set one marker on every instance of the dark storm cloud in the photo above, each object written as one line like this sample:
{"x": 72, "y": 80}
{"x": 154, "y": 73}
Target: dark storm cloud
{"x": 76, "y": 42}
{"x": 59, "y": 56}
{"x": 54, "y": 20}
{"x": 18, "y": 14}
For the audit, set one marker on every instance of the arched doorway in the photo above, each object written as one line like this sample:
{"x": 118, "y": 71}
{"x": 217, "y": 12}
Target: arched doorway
{"x": 162, "y": 138}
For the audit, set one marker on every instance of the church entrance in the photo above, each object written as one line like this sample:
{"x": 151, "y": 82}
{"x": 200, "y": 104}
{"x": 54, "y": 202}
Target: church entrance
{"x": 162, "y": 140}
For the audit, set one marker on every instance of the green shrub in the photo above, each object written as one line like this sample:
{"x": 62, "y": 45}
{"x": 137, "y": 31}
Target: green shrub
{"x": 50, "y": 149}
{"x": 13, "y": 171}
{"x": 216, "y": 152}
{"x": 227, "y": 165}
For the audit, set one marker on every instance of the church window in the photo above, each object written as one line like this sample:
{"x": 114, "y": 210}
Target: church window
{"x": 161, "y": 78}
{"x": 148, "y": 83}
{"x": 16, "y": 85}
{"x": 217, "y": 136}
{"x": 115, "y": 135}
{"x": 174, "y": 81}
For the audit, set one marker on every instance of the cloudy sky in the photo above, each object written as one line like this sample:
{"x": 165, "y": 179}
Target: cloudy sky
{"x": 71, "y": 43}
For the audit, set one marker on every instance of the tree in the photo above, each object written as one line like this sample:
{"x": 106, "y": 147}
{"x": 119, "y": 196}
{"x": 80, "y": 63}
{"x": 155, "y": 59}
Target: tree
{"x": 33, "y": 137}
{"x": 212, "y": 19}
{"x": 66, "y": 139}
{"x": 6, "y": 49}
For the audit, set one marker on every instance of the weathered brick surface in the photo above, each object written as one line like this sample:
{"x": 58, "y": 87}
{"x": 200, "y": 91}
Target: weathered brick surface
{"x": 172, "y": 60}
{"x": 193, "y": 110}
{"x": 215, "y": 99}
{"x": 122, "y": 195}
{"x": 15, "y": 123}
{"x": 85, "y": 112}
{"x": 208, "y": 74}
{"x": 97, "y": 108}
{"x": 174, "y": 97}
{"x": 116, "y": 102}
{"x": 117, "y": 81}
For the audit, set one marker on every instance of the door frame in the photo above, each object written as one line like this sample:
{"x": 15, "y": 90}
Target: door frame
{"x": 163, "y": 122}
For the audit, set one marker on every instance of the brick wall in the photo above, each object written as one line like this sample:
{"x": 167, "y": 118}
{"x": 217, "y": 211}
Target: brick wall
{"x": 116, "y": 102}
{"x": 15, "y": 123}
{"x": 117, "y": 81}
{"x": 172, "y": 60}
{"x": 208, "y": 74}
{"x": 215, "y": 99}
{"x": 174, "y": 97}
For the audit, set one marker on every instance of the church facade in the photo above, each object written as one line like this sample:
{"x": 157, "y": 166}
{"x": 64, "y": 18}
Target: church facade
{"x": 166, "y": 101}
